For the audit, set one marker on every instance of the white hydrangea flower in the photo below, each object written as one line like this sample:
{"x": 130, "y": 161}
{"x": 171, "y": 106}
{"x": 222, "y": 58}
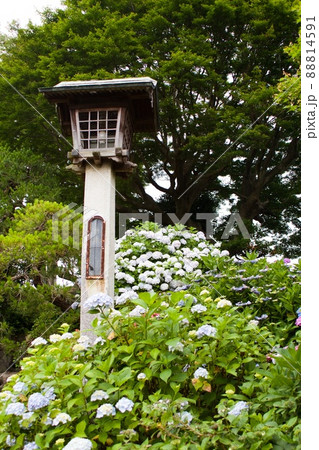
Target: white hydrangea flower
{"x": 138, "y": 311}
{"x": 157, "y": 255}
{"x": 55, "y": 338}
{"x": 178, "y": 347}
{"x": 99, "y": 395}
{"x": 37, "y": 401}
{"x": 119, "y": 275}
{"x": 198, "y": 308}
{"x": 79, "y": 444}
{"x": 105, "y": 410}
{"x": 138, "y": 244}
{"x": 79, "y": 347}
{"x": 201, "y": 372}
{"x": 38, "y": 341}
{"x": 164, "y": 286}
{"x": 84, "y": 340}
{"x": 141, "y": 376}
{"x": 222, "y": 303}
{"x": 168, "y": 278}
{"x": 145, "y": 286}
{"x": 206, "y": 330}
{"x": 6, "y": 395}
{"x": 204, "y": 292}
{"x": 181, "y": 272}
{"x": 61, "y": 418}
{"x": 176, "y": 244}
{"x": 99, "y": 340}
{"x": 67, "y": 336}
{"x": 16, "y": 409}
{"x": 124, "y": 404}
{"x": 127, "y": 295}
{"x": 129, "y": 279}
{"x": 99, "y": 300}
{"x": 115, "y": 313}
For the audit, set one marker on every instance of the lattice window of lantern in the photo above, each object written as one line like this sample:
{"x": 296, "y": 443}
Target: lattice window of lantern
{"x": 98, "y": 129}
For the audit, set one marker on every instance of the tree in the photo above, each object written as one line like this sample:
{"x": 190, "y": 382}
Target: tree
{"x": 218, "y": 66}
{"x": 30, "y": 260}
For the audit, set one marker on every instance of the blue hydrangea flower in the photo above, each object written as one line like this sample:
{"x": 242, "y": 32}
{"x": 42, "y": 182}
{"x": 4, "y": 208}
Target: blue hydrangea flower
{"x": 240, "y": 288}
{"x": 10, "y": 441}
{"x": 243, "y": 304}
{"x": 20, "y": 386}
{"x": 37, "y": 401}
{"x": 186, "y": 417}
{"x": 101, "y": 300}
{"x": 30, "y": 446}
{"x": 198, "y": 308}
{"x": 17, "y": 409}
{"x": 206, "y": 330}
{"x": 75, "y": 305}
{"x": 49, "y": 393}
{"x": 262, "y": 317}
{"x": 238, "y": 408}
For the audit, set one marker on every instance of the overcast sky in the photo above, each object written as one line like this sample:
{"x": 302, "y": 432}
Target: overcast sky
{"x": 23, "y": 11}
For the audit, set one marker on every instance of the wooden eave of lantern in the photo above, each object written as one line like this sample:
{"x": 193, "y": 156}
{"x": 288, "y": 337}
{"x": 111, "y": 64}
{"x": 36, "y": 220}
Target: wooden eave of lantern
{"x": 102, "y": 115}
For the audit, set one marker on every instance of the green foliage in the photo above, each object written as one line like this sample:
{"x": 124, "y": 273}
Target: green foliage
{"x": 30, "y": 261}
{"x": 25, "y": 177}
{"x": 223, "y": 111}
{"x": 159, "y": 259}
{"x": 175, "y": 369}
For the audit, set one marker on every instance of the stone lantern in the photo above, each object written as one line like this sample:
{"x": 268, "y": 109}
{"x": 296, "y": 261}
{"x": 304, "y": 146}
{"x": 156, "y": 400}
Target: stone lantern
{"x": 101, "y": 116}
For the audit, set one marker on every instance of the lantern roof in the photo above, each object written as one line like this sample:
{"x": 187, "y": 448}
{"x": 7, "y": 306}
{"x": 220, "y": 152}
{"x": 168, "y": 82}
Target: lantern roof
{"x": 138, "y": 94}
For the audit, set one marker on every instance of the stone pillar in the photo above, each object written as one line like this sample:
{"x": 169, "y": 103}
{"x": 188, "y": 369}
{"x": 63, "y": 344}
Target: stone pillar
{"x": 99, "y": 201}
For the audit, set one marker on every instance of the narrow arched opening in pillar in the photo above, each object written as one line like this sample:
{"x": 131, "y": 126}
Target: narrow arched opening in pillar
{"x": 95, "y": 248}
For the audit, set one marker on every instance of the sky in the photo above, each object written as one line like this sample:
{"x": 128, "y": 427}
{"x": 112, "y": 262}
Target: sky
{"x": 23, "y": 11}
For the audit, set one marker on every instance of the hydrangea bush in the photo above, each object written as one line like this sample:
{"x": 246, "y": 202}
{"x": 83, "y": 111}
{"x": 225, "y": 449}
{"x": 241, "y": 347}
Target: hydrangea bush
{"x": 208, "y": 363}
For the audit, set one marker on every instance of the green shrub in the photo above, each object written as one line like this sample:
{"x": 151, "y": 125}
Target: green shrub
{"x": 183, "y": 369}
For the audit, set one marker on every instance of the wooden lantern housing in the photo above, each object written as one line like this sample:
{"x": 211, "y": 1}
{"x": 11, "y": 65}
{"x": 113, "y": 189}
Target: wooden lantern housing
{"x": 102, "y": 115}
